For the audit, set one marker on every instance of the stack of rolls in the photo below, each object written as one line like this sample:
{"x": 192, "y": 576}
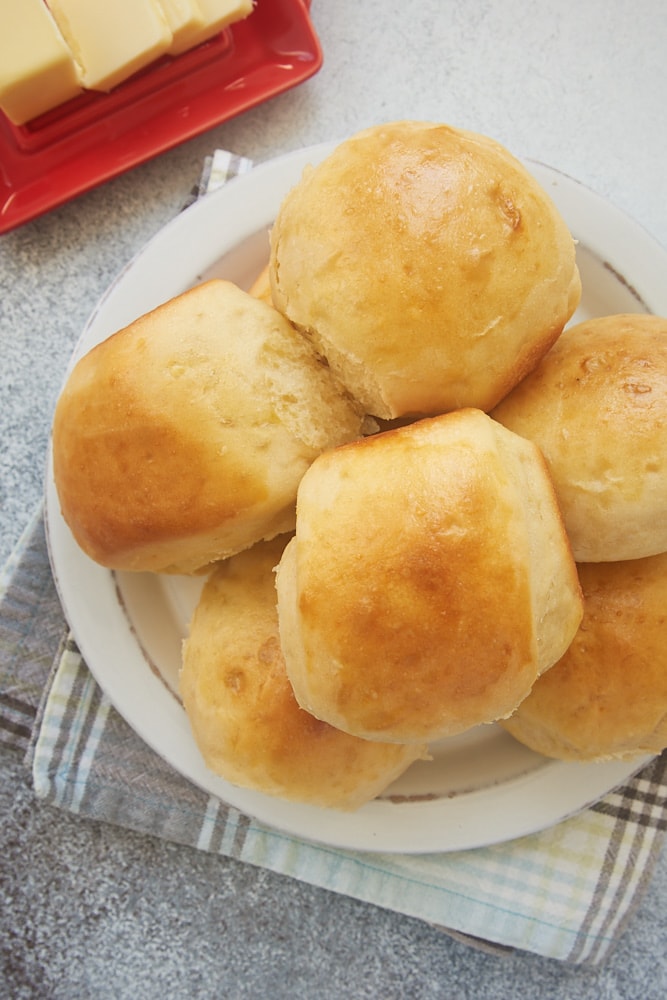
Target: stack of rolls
{"x": 596, "y": 406}
{"x": 378, "y": 457}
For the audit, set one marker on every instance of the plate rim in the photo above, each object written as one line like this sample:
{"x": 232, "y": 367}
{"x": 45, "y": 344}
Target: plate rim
{"x": 372, "y": 828}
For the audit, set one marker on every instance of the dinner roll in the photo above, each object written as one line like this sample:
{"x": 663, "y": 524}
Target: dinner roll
{"x": 426, "y": 264}
{"x": 596, "y": 406}
{"x": 430, "y": 580}
{"x": 241, "y": 707}
{"x": 182, "y": 438}
{"x": 607, "y": 696}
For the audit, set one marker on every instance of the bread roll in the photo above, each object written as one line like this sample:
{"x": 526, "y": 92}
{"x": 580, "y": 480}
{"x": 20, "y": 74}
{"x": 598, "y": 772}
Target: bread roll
{"x": 182, "y": 438}
{"x": 597, "y": 408}
{"x": 241, "y": 707}
{"x": 429, "y": 583}
{"x": 607, "y": 696}
{"x": 427, "y": 265}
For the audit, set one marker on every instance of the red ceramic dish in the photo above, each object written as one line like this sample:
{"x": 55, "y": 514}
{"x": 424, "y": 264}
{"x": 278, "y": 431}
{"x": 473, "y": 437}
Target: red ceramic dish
{"x": 95, "y": 137}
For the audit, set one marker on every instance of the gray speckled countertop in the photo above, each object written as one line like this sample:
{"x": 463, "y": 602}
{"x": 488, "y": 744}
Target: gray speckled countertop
{"x": 94, "y": 911}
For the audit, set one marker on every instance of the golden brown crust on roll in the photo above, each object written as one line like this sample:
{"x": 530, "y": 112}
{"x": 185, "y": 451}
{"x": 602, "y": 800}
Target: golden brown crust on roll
{"x": 597, "y": 408}
{"x": 182, "y": 438}
{"x": 607, "y": 696}
{"x": 241, "y": 707}
{"x": 429, "y": 583}
{"x": 427, "y": 265}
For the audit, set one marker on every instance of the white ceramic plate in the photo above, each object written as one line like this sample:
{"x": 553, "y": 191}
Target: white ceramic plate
{"x": 482, "y": 787}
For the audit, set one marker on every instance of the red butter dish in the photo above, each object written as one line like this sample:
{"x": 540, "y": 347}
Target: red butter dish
{"x": 96, "y": 137}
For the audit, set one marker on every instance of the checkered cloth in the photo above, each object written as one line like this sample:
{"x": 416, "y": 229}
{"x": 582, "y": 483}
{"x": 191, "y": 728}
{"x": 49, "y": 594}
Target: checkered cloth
{"x": 565, "y": 893}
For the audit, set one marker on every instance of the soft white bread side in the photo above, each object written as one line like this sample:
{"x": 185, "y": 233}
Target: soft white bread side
{"x": 241, "y": 707}
{"x": 429, "y": 583}
{"x": 261, "y": 286}
{"x": 596, "y": 406}
{"x": 427, "y": 265}
{"x": 607, "y": 697}
{"x": 182, "y": 438}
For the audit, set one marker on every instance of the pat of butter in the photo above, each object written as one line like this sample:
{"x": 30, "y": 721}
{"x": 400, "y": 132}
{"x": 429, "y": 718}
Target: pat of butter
{"x": 37, "y": 70}
{"x": 194, "y": 21}
{"x": 218, "y": 14}
{"x": 185, "y": 21}
{"x": 112, "y": 39}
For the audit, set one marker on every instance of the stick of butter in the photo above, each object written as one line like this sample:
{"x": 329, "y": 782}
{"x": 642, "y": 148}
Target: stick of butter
{"x": 37, "y": 69}
{"x": 194, "y": 21}
{"x": 51, "y": 50}
{"x": 112, "y": 40}
{"x": 185, "y": 20}
{"x": 217, "y": 14}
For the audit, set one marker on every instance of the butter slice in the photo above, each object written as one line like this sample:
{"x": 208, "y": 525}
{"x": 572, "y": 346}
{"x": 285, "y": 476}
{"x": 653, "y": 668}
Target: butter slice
{"x": 218, "y": 14}
{"x": 37, "y": 69}
{"x": 186, "y": 22}
{"x": 112, "y": 39}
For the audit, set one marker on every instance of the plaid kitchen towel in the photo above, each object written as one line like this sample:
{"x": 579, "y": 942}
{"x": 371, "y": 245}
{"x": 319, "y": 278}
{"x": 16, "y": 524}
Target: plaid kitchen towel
{"x": 564, "y": 893}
